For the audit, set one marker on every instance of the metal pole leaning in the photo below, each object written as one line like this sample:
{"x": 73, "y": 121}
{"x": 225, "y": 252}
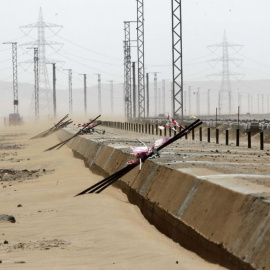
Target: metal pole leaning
{"x": 103, "y": 184}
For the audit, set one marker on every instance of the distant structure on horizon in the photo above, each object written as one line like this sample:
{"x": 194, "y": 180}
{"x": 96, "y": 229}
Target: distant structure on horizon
{"x": 225, "y": 93}
{"x": 45, "y": 92}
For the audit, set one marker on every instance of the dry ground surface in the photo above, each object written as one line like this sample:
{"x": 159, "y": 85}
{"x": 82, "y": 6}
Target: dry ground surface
{"x": 54, "y": 230}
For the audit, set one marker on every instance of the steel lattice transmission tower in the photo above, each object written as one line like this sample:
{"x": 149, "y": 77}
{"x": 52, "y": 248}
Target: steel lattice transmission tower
{"x": 127, "y": 71}
{"x": 140, "y": 52}
{"x": 36, "y": 70}
{"x": 45, "y": 93}
{"x": 177, "y": 87}
{"x": 225, "y": 94}
{"x": 15, "y": 76}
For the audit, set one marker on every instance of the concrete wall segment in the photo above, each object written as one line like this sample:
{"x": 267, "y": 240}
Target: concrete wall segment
{"x": 201, "y": 214}
{"x": 116, "y": 161}
{"x": 105, "y": 151}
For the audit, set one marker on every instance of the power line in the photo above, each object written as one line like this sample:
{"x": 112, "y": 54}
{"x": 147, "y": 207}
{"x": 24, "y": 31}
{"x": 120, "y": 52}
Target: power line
{"x": 92, "y": 68}
{"x": 95, "y": 61}
{"x": 107, "y": 56}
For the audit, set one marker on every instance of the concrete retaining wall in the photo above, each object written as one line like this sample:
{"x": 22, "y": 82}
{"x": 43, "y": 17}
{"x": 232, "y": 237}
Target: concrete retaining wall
{"x": 219, "y": 223}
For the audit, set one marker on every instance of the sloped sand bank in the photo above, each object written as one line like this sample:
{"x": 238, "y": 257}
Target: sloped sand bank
{"x": 54, "y": 230}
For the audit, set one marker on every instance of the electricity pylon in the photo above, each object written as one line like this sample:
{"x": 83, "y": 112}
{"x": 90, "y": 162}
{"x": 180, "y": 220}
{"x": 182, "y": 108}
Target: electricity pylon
{"x": 127, "y": 71}
{"x": 140, "y": 54}
{"x": 15, "y": 76}
{"x": 45, "y": 93}
{"x": 225, "y": 95}
{"x": 177, "y": 68}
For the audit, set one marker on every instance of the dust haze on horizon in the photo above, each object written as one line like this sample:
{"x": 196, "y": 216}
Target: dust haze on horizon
{"x": 92, "y": 42}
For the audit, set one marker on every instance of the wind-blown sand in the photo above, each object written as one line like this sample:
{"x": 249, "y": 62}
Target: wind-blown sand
{"x": 55, "y": 230}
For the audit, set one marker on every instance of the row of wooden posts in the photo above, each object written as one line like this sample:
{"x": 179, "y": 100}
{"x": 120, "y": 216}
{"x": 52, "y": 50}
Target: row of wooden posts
{"x": 154, "y": 130}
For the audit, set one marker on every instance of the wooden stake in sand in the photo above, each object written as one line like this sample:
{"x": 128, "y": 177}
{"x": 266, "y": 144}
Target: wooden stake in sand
{"x": 140, "y": 157}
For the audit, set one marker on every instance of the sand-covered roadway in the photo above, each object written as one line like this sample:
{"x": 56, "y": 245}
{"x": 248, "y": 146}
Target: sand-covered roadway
{"x": 54, "y": 230}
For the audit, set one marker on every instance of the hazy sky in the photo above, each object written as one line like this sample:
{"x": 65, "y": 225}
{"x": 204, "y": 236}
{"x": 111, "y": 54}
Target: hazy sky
{"x": 93, "y": 33}
{"x": 92, "y": 36}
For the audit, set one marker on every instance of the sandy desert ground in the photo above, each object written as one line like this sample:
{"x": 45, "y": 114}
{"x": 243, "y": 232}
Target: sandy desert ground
{"x": 55, "y": 230}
